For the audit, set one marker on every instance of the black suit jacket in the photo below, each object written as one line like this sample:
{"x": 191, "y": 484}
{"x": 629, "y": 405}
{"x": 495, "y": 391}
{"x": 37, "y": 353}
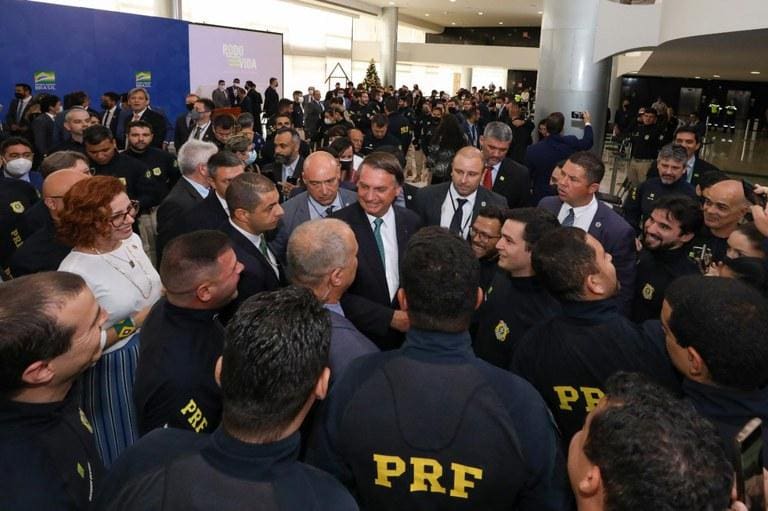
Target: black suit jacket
{"x": 274, "y": 170}
{"x": 180, "y": 131}
{"x": 42, "y": 135}
{"x": 367, "y": 302}
{"x": 10, "y": 117}
{"x": 271, "y": 97}
{"x": 429, "y": 201}
{"x": 513, "y": 182}
{"x": 257, "y": 275}
{"x": 157, "y": 121}
{"x": 171, "y": 212}
{"x": 208, "y": 214}
{"x": 112, "y": 122}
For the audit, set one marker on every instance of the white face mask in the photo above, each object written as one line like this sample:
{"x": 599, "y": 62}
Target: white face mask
{"x": 251, "y": 157}
{"x": 18, "y": 167}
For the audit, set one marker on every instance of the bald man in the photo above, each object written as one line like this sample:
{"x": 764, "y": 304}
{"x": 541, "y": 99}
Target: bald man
{"x": 323, "y": 196}
{"x": 724, "y": 208}
{"x": 42, "y": 251}
{"x": 455, "y": 204}
{"x": 322, "y": 257}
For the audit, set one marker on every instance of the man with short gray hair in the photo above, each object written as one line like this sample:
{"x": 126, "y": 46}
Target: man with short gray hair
{"x": 322, "y": 256}
{"x": 503, "y": 175}
{"x": 188, "y": 191}
{"x": 671, "y": 181}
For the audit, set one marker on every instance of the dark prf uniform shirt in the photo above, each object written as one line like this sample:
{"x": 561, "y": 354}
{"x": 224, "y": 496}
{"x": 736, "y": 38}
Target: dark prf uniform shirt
{"x": 171, "y": 470}
{"x": 162, "y": 169}
{"x": 646, "y": 141}
{"x": 400, "y": 128}
{"x": 175, "y": 384}
{"x": 133, "y": 175}
{"x": 656, "y": 269}
{"x": 641, "y": 200}
{"x": 16, "y": 197}
{"x": 569, "y": 357}
{"x": 48, "y": 457}
{"x": 707, "y": 248}
{"x": 430, "y": 426}
{"x": 512, "y": 306}
{"x": 42, "y": 251}
{"x": 371, "y": 143}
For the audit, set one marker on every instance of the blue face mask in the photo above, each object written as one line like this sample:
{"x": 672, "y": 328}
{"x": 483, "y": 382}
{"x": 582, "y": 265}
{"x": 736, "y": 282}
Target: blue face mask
{"x": 251, "y": 157}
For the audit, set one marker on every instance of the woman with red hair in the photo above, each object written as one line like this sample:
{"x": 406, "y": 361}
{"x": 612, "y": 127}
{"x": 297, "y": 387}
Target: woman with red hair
{"x": 97, "y": 221}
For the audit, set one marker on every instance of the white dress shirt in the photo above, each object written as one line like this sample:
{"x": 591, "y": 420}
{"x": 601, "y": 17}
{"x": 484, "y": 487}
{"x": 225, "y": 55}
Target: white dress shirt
{"x": 391, "y": 256}
{"x": 583, "y": 215}
{"x": 450, "y": 205}
{"x": 223, "y": 203}
{"x": 256, "y": 240}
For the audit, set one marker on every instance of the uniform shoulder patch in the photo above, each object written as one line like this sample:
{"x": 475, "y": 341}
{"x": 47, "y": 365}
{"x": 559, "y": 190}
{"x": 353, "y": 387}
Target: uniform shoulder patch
{"x": 501, "y": 331}
{"x": 648, "y": 291}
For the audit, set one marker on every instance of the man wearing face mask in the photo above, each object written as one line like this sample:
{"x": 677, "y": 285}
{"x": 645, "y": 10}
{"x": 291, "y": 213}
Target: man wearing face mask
{"x": 184, "y": 122}
{"x": 17, "y": 156}
{"x": 202, "y": 129}
{"x": 323, "y": 196}
{"x": 16, "y": 197}
{"x": 219, "y": 95}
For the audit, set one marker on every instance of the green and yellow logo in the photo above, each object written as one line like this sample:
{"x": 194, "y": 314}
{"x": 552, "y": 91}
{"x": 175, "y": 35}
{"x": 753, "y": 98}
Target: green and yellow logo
{"x": 45, "y": 80}
{"x": 143, "y": 78}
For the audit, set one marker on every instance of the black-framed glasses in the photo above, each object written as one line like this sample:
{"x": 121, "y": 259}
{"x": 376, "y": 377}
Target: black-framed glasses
{"x": 118, "y": 219}
{"x": 481, "y": 235}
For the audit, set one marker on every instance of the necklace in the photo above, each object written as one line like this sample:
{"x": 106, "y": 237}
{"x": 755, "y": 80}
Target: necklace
{"x": 130, "y": 262}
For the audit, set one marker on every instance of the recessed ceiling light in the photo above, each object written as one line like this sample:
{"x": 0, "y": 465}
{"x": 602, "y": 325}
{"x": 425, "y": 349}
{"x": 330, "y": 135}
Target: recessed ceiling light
{"x": 480, "y": 13}
{"x": 697, "y": 77}
{"x": 391, "y": 3}
{"x": 541, "y": 12}
{"x": 754, "y": 72}
{"x": 426, "y": 14}
{"x": 715, "y": 76}
{"x": 452, "y": 1}
{"x": 453, "y": 22}
{"x": 501, "y": 22}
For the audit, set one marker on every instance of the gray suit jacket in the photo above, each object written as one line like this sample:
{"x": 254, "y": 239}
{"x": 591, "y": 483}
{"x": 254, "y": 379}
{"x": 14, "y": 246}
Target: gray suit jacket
{"x": 296, "y": 211}
{"x": 429, "y": 201}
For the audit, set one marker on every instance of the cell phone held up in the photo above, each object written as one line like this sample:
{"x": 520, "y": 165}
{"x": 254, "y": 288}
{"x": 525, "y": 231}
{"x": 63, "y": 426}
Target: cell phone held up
{"x": 748, "y": 464}
{"x": 577, "y": 115}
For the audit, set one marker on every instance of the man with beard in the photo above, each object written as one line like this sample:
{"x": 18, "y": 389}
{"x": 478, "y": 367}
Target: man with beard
{"x": 483, "y": 235}
{"x": 670, "y": 226}
{"x": 161, "y": 166}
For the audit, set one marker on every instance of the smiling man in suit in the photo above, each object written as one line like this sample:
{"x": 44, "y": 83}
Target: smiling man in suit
{"x": 382, "y": 230}
{"x": 138, "y": 100}
{"x": 577, "y": 206}
{"x": 254, "y": 210}
{"x": 323, "y": 196}
{"x": 455, "y": 204}
{"x": 503, "y": 175}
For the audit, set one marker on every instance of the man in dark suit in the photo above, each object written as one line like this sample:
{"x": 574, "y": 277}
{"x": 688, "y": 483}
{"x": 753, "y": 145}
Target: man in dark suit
{"x": 695, "y": 167}
{"x": 14, "y": 119}
{"x": 541, "y": 158}
{"x": 455, "y": 204}
{"x": 252, "y": 103}
{"x": 271, "y": 97}
{"x": 233, "y": 93}
{"x": 189, "y": 191}
{"x": 577, "y": 206}
{"x": 202, "y": 127}
{"x": 253, "y": 202}
{"x": 382, "y": 231}
{"x": 522, "y": 128}
{"x": 323, "y": 196}
{"x": 213, "y": 211}
{"x": 503, "y": 175}
{"x": 42, "y": 127}
{"x": 286, "y": 170}
{"x": 184, "y": 122}
{"x": 138, "y": 100}
{"x": 110, "y": 105}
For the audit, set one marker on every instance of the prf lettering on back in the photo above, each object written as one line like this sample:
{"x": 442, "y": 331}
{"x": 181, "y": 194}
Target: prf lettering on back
{"x": 425, "y": 474}
{"x": 569, "y": 396}
{"x": 196, "y": 420}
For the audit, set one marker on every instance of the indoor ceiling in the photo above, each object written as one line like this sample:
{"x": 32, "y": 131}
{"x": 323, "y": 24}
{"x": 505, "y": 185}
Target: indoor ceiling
{"x": 729, "y": 56}
{"x": 469, "y": 13}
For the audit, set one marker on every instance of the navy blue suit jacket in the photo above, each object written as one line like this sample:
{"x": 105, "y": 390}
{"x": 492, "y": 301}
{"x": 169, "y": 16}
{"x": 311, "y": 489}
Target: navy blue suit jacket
{"x": 617, "y": 238}
{"x": 540, "y": 158}
{"x": 367, "y": 302}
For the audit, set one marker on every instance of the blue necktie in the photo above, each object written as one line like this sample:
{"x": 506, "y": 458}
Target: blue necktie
{"x": 568, "y": 220}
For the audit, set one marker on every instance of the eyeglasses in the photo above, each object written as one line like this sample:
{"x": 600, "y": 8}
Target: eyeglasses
{"x": 481, "y": 235}
{"x": 118, "y": 219}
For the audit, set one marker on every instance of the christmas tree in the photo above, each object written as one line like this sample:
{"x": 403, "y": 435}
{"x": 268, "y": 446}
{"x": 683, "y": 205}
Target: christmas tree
{"x": 371, "y": 76}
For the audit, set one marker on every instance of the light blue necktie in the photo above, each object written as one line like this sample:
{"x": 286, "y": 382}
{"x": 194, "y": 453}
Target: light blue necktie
{"x": 379, "y": 241}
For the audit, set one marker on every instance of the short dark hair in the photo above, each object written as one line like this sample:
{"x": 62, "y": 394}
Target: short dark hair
{"x": 380, "y": 120}
{"x": 555, "y": 123}
{"x": 275, "y": 349}
{"x": 705, "y": 311}
{"x": 222, "y": 159}
{"x": 31, "y": 332}
{"x": 191, "y": 258}
{"x": 390, "y": 104}
{"x": 77, "y": 98}
{"x": 209, "y": 105}
{"x": 688, "y": 129}
{"x": 676, "y": 454}
{"x": 94, "y": 135}
{"x": 114, "y": 96}
{"x": 591, "y": 163}
{"x": 753, "y": 235}
{"x": 538, "y": 222}
{"x": 224, "y": 121}
{"x": 338, "y": 146}
{"x": 61, "y": 160}
{"x": 387, "y": 162}
{"x": 563, "y": 260}
{"x": 8, "y": 142}
{"x": 245, "y": 191}
{"x": 440, "y": 276}
{"x": 684, "y": 210}
{"x": 139, "y": 124}
{"x": 48, "y": 101}
{"x": 494, "y": 212}
{"x": 24, "y": 86}
{"x": 710, "y": 178}
{"x": 750, "y": 270}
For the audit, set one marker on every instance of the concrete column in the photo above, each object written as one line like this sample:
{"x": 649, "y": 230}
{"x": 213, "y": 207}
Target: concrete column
{"x": 614, "y": 93}
{"x": 568, "y": 79}
{"x": 169, "y": 9}
{"x": 388, "y": 51}
{"x": 466, "y": 77}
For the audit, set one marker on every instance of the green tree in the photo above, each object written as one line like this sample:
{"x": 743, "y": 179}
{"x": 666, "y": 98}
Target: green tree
{"x": 371, "y": 76}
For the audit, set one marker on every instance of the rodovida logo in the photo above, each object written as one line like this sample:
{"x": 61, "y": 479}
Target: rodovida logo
{"x": 235, "y": 55}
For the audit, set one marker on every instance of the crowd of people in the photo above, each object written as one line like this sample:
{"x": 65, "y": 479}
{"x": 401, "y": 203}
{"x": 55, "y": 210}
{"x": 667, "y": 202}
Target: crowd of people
{"x": 379, "y": 299}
